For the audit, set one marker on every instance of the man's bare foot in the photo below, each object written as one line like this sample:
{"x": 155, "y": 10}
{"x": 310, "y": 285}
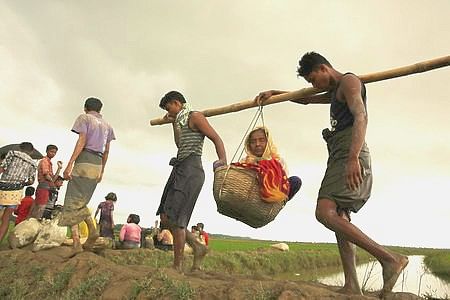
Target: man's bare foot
{"x": 391, "y": 272}
{"x": 74, "y": 251}
{"x": 349, "y": 291}
{"x": 200, "y": 252}
{"x": 89, "y": 244}
{"x": 178, "y": 268}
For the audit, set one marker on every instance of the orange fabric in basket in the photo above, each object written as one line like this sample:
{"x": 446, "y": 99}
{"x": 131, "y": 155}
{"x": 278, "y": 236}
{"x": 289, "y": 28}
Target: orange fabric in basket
{"x": 273, "y": 182}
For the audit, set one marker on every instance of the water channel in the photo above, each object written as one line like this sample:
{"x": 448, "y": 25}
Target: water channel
{"x": 416, "y": 279}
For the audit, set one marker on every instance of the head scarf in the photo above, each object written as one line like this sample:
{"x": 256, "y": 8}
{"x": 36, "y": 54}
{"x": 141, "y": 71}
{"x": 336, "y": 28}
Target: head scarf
{"x": 269, "y": 152}
{"x": 183, "y": 115}
{"x": 273, "y": 181}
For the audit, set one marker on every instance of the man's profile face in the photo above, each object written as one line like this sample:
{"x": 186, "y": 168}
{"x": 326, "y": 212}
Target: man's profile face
{"x": 173, "y": 107}
{"x": 319, "y": 78}
{"x": 51, "y": 153}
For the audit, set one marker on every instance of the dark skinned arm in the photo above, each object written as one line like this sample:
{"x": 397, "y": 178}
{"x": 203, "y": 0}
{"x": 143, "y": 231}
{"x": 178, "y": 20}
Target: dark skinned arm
{"x": 104, "y": 160}
{"x": 81, "y": 142}
{"x": 175, "y": 128}
{"x": 263, "y": 96}
{"x": 58, "y": 170}
{"x": 324, "y": 98}
{"x": 96, "y": 212}
{"x": 350, "y": 91}
{"x": 176, "y": 134}
{"x": 198, "y": 122}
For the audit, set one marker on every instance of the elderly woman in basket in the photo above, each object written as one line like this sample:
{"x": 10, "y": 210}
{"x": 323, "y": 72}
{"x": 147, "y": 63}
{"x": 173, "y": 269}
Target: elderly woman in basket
{"x": 262, "y": 156}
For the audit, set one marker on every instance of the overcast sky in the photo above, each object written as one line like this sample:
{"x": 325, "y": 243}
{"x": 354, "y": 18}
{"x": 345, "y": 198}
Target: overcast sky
{"x": 55, "y": 54}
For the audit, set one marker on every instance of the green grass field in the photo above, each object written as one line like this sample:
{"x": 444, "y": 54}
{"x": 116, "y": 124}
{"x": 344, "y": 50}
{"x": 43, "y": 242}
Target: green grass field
{"x": 250, "y": 244}
{"x": 439, "y": 264}
{"x": 253, "y": 257}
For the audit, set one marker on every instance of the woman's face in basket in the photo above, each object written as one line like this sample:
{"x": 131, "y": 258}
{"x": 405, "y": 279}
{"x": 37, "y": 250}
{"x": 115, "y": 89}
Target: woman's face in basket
{"x": 257, "y": 142}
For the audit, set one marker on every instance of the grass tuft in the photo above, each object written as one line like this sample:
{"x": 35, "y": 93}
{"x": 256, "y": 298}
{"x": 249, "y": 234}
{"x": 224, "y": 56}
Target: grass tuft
{"x": 91, "y": 288}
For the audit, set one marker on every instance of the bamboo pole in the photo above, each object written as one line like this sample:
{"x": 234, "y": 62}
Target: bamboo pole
{"x": 314, "y": 95}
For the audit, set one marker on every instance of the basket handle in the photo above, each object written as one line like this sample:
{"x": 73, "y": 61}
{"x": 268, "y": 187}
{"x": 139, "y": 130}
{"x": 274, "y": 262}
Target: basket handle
{"x": 251, "y": 126}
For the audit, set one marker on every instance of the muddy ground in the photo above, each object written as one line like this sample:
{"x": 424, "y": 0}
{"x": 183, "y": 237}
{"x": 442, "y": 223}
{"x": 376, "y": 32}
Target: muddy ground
{"x": 93, "y": 276}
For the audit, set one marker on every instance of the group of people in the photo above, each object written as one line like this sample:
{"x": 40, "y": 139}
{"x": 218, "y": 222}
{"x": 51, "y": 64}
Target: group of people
{"x": 345, "y": 188}
{"x": 132, "y": 235}
{"x": 18, "y": 170}
{"x": 84, "y": 170}
{"x": 162, "y": 237}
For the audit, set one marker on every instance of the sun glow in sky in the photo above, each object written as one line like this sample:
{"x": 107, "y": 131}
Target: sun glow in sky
{"x": 56, "y": 54}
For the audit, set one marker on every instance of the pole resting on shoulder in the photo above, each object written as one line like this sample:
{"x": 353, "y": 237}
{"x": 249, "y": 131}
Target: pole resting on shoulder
{"x": 312, "y": 94}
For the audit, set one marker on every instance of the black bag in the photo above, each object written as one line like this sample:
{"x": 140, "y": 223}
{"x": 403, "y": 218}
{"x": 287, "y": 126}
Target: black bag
{"x": 11, "y": 186}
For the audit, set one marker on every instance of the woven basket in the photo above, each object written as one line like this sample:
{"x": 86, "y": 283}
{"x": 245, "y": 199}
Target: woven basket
{"x": 236, "y": 191}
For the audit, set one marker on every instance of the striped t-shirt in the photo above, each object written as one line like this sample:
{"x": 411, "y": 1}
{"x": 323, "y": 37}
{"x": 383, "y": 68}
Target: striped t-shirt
{"x": 191, "y": 142}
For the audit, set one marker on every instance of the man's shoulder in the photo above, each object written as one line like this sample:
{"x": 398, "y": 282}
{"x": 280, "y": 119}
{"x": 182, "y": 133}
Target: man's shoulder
{"x": 349, "y": 79}
{"x": 196, "y": 115}
{"x": 27, "y": 200}
{"x": 349, "y": 82}
{"x": 44, "y": 160}
{"x": 82, "y": 117}
{"x": 89, "y": 118}
{"x": 99, "y": 119}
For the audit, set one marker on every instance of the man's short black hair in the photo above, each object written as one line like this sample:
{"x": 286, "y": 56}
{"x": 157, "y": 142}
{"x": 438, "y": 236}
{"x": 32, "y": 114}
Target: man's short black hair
{"x": 310, "y": 62}
{"x": 200, "y": 226}
{"x": 171, "y": 96}
{"x": 29, "y": 191}
{"x": 26, "y": 147}
{"x": 51, "y": 147}
{"x": 93, "y": 104}
{"x": 134, "y": 218}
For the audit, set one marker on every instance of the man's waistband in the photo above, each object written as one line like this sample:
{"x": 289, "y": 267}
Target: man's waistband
{"x": 174, "y": 161}
{"x": 327, "y": 134}
{"x": 93, "y": 152}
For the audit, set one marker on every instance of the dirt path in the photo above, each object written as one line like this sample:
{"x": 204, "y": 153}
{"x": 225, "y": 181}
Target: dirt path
{"x": 89, "y": 274}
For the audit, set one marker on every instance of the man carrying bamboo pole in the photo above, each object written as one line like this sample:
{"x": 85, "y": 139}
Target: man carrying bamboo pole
{"x": 347, "y": 182}
{"x": 187, "y": 177}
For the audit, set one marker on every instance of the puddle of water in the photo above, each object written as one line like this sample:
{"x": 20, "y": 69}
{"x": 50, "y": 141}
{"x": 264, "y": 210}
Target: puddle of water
{"x": 415, "y": 279}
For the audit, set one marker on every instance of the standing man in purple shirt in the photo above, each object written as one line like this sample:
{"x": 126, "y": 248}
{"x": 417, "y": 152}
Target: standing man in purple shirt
{"x": 84, "y": 170}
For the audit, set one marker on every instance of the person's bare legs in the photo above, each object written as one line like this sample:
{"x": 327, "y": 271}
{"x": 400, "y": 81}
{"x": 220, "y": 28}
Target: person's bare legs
{"x": 347, "y": 251}
{"x": 179, "y": 239}
{"x": 392, "y": 263}
{"x": 37, "y": 211}
{"x": 93, "y": 234}
{"x": 199, "y": 249}
{"x": 7, "y": 212}
{"x": 76, "y": 247}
